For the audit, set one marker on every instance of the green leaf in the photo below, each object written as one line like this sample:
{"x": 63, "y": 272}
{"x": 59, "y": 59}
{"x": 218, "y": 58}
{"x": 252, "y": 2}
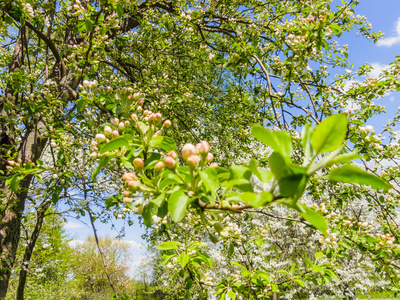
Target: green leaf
{"x": 306, "y": 137}
{"x": 256, "y": 200}
{"x": 146, "y": 214}
{"x": 210, "y": 180}
{"x": 80, "y": 105}
{"x": 232, "y": 295}
{"x": 103, "y": 161}
{"x": 172, "y": 245}
{"x": 184, "y": 259}
{"x": 188, "y": 283}
{"x": 238, "y": 265}
{"x": 164, "y": 142}
{"x": 262, "y": 275}
{"x": 329, "y": 134}
{"x": 344, "y": 158}
{"x": 159, "y": 199}
{"x": 353, "y": 174}
{"x": 319, "y": 255}
{"x": 314, "y": 218}
{"x": 114, "y": 144}
{"x": 8, "y": 20}
{"x": 167, "y": 257}
{"x": 291, "y": 179}
{"x": 263, "y": 175}
{"x": 89, "y": 25}
{"x": 280, "y": 141}
{"x": 177, "y": 205}
{"x": 14, "y": 183}
{"x": 300, "y": 282}
{"x": 120, "y": 10}
{"x": 239, "y": 172}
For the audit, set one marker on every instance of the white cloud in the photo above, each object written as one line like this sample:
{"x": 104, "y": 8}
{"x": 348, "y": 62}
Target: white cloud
{"x": 135, "y": 245}
{"x": 377, "y": 69}
{"x": 73, "y": 225}
{"x": 74, "y": 243}
{"x": 390, "y": 41}
{"x": 350, "y": 84}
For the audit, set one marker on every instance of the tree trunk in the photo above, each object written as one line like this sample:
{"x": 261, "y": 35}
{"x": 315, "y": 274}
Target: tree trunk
{"x": 29, "y": 249}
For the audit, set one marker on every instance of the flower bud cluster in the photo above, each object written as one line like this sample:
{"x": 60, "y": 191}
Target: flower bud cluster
{"x": 131, "y": 181}
{"x": 329, "y": 239}
{"x": 197, "y": 155}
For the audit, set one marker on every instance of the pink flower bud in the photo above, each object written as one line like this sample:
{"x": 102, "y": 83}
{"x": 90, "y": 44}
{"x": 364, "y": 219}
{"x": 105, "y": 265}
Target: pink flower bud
{"x": 139, "y": 109}
{"x": 157, "y": 133}
{"x": 188, "y": 150}
{"x": 133, "y": 185}
{"x": 19, "y": 160}
{"x": 141, "y": 102}
{"x": 100, "y": 137}
{"x": 209, "y": 157}
{"x": 116, "y": 121}
{"x": 152, "y": 117}
{"x": 203, "y": 147}
{"x": 138, "y": 163}
{"x": 126, "y": 193}
{"x": 9, "y": 167}
{"x": 95, "y": 148}
{"x": 173, "y": 154}
{"x": 127, "y": 200}
{"x": 159, "y": 166}
{"x": 167, "y": 123}
{"x": 214, "y": 165}
{"x": 158, "y": 117}
{"x": 193, "y": 160}
{"x": 121, "y": 126}
{"x": 169, "y": 162}
{"x": 129, "y": 176}
{"x": 93, "y": 155}
{"x": 115, "y": 133}
{"x": 127, "y": 123}
{"x": 11, "y": 162}
{"x": 134, "y": 117}
{"x": 107, "y": 130}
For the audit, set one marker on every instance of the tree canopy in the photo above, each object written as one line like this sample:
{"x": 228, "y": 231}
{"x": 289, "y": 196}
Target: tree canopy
{"x": 91, "y": 90}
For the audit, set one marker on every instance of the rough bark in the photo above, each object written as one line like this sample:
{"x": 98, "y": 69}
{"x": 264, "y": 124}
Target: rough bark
{"x": 29, "y": 249}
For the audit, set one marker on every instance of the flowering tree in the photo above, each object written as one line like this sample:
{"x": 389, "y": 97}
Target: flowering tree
{"x": 214, "y": 69}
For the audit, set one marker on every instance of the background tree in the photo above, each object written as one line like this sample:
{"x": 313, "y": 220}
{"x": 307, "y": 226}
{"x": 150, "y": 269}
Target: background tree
{"x": 88, "y": 270}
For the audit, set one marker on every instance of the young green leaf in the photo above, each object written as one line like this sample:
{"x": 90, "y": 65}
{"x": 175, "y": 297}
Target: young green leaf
{"x": 280, "y": 141}
{"x": 210, "y": 180}
{"x": 315, "y": 219}
{"x": 177, "y": 205}
{"x": 353, "y": 174}
{"x": 158, "y": 201}
{"x": 256, "y": 200}
{"x": 263, "y": 175}
{"x": 183, "y": 259}
{"x": 306, "y": 138}
{"x": 329, "y": 134}
{"x": 172, "y": 245}
{"x": 114, "y": 144}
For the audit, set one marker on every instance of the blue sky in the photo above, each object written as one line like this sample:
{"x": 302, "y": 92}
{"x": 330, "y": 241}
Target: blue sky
{"x": 384, "y": 16}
